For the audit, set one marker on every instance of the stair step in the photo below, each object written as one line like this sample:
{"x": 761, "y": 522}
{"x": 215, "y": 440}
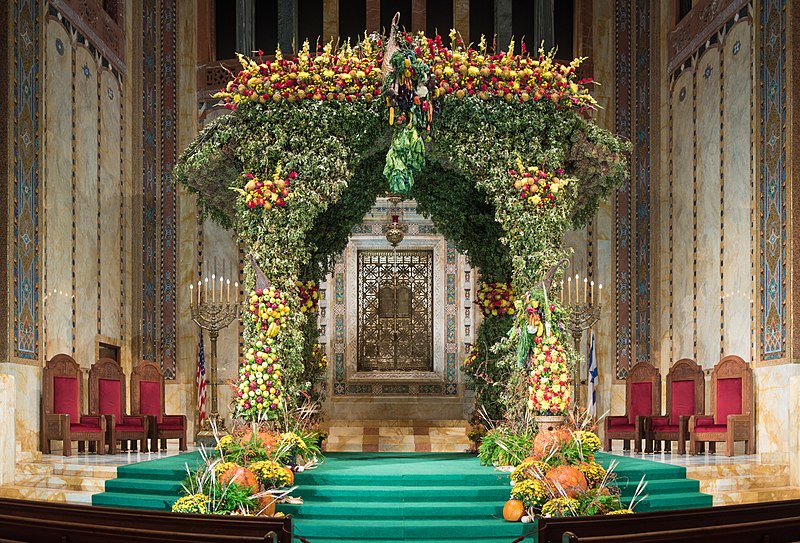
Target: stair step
{"x": 757, "y": 495}
{"x": 27, "y": 468}
{"x": 143, "y": 501}
{"x": 395, "y": 511}
{"x": 724, "y": 471}
{"x": 46, "y": 494}
{"x": 678, "y": 500}
{"x": 63, "y": 482}
{"x": 422, "y": 493}
{"x": 741, "y": 483}
{"x": 418, "y": 529}
{"x": 144, "y": 486}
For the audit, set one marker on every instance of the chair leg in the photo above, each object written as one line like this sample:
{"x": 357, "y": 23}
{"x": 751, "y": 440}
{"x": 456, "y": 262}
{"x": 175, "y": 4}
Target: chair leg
{"x": 667, "y": 447}
{"x": 712, "y": 447}
{"x": 182, "y": 444}
{"x": 45, "y": 446}
{"x": 692, "y": 445}
{"x": 163, "y": 444}
{"x": 92, "y": 447}
{"x": 608, "y": 445}
{"x": 681, "y": 446}
{"x": 101, "y": 444}
{"x": 112, "y": 446}
{"x": 142, "y": 445}
{"x": 748, "y": 446}
{"x": 68, "y": 447}
{"x": 729, "y": 445}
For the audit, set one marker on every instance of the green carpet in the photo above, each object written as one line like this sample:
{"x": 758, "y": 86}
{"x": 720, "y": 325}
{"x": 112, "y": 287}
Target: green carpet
{"x": 420, "y": 497}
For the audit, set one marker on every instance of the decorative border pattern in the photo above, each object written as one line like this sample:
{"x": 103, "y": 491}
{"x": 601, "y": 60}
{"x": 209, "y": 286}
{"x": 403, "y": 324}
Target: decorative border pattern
{"x": 772, "y": 242}
{"x": 149, "y": 178}
{"x": 642, "y": 179}
{"x": 451, "y": 316}
{"x": 169, "y": 125}
{"x": 4, "y": 170}
{"x": 26, "y": 117}
{"x": 623, "y": 237}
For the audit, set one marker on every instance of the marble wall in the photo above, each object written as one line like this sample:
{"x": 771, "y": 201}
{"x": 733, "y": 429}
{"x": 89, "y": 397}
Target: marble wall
{"x": 8, "y": 433}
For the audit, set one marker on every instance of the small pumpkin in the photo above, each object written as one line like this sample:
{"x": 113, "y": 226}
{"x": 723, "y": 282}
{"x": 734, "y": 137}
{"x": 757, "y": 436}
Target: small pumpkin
{"x": 568, "y": 478}
{"x": 290, "y": 474}
{"x": 240, "y": 476}
{"x": 513, "y": 510}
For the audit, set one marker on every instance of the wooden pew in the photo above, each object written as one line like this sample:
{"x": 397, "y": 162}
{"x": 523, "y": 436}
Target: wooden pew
{"x": 23, "y": 521}
{"x": 779, "y": 521}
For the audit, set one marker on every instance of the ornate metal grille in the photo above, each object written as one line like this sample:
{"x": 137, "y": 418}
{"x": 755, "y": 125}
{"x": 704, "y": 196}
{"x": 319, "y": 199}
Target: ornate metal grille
{"x": 395, "y": 311}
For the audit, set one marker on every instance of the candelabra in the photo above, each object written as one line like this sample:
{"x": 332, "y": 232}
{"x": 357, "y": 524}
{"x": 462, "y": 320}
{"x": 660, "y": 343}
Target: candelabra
{"x": 213, "y": 314}
{"x": 584, "y": 312}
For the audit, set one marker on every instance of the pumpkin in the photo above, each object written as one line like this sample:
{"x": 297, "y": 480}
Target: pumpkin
{"x": 291, "y": 476}
{"x": 240, "y": 476}
{"x": 569, "y": 478}
{"x": 266, "y": 505}
{"x": 545, "y": 442}
{"x": 513, "y": 510}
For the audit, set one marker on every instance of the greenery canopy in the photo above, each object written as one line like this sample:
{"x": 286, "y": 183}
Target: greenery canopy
{"x": 498, "y": 148}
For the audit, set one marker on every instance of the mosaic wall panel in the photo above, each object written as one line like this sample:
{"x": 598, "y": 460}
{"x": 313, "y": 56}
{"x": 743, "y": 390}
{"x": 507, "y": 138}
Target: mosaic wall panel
{"x": 772, "y": 216}
{"x": 159, "y": 119}
{"x": 623, "y": 236}
{"x": 26, "y": 133}
{"x": 642, "y": 178}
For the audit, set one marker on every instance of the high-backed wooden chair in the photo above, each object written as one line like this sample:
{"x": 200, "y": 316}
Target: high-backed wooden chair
{"x": 643, "y": 400}
{"x": 731, "y": 408}
{"x": 685, "y": 397}
{"x": 147, "y": 398}
{"x": 62, "y": 393}
{"x": 107, "y": 397}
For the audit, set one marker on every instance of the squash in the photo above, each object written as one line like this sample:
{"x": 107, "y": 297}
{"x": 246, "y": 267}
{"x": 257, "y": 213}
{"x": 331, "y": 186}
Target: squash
{"x": 569, "y": 478}
{"x": 240, "y": 476}
{"x": 291, "y": 476}
{"x": 513, "y": 510}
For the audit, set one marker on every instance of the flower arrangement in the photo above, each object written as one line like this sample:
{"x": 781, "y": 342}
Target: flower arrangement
{"x": 539, "y": 186}
{"x": 193, "y": 503}
{"x": 276, "y": 192}
{"x": 271, "y": 474}
{"x": 562, "y": 478}
{"x": 308, "y": 293}
{"x": 549, "y": 378}
{"x": 496, "y": 299}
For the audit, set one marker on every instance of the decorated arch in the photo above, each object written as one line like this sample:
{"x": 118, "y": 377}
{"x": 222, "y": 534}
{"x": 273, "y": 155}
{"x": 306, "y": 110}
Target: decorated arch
{"x": 499, "y": 148}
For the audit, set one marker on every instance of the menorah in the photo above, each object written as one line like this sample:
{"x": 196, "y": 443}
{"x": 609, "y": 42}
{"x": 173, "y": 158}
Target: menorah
{"x": 584, "y": 312}
{"x": 213, "y": 314}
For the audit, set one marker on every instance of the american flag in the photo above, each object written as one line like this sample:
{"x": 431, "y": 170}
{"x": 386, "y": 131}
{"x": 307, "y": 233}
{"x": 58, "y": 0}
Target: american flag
{"x": 201, "y": 380}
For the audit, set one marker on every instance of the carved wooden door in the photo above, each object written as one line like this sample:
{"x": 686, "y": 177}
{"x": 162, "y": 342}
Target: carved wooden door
{"x": 395, "y": 310}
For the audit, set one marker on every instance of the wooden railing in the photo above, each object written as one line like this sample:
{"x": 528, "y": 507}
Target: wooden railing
{"x": 775, "y": 522}
{"x": 23, "y": 521}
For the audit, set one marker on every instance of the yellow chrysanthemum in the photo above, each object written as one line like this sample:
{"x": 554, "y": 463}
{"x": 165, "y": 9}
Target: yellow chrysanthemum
{"x": 588, "y": 440}
{"x": 620, "y": 512}
{"x": 593, "y": 471}
{"x": 225, "y": 442}
{"x": 193, "y": 503}
{"x": 222, "y": 467}
{"x": 271, "y": 474}
{"x": 531, "y": 492}
{"x": 560, "y": 507}
{"x": 528, "y": 470}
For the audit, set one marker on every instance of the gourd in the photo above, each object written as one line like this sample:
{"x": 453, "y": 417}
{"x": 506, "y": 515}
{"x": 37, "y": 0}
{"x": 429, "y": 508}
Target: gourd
{"x": 513, "y": 510}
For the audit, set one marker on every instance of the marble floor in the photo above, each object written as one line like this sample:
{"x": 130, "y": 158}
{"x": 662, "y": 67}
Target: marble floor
{"x": 119, "y": 459}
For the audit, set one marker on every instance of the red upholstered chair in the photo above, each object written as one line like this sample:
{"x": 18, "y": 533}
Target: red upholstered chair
{"x": 62, "y": 393}
{"x": 685, "y": 397}
{"x": 731, "y": 407}
{"x": 643, "y": 390}
{"x": 107, "y": 397}
{"x": 147, "y": 398}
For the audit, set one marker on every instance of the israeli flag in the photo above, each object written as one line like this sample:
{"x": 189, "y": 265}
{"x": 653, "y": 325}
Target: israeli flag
{"x": 592, "y": 392}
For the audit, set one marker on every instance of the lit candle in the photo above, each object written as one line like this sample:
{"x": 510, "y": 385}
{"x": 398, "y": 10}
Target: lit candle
{"x": 213, "y": 287}
{"x": 191, "y": 295}
{"x": 576, "y": 289}
{"x": 561, "y": 293}
{"x": 600, "y": 294}
{"x": 585, "y": 290}
{"x": 569, "y": 288}
{"x": 220, "y": 289}
{"x": 198, "y": 292}
{"x": 236, "y": 291}
{"x": 229, "y": 290}
{"x": 205, "y": 289}
{"x": 591, "y": 294}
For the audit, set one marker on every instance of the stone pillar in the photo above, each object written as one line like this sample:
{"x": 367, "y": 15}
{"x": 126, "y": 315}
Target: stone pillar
{"x": 793, "y": 431}
{"x": 8, "y": 426}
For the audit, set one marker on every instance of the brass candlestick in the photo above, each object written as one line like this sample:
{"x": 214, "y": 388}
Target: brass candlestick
{"x": 213, "y": 315}
{"x": 584, "y": 312}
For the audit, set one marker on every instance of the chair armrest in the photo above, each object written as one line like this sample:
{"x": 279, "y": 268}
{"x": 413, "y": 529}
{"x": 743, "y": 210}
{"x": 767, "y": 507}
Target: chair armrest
{"x": 662, "y": 420}
{"x": 739, "y": 421}
{"x": 181, "y": 419}
{"x": 134, "y": 419}
{"x": 699, "y": 420}
{"x": 55, "y": 424}
{"x": 99, "y": 420}
{"x": 616, "y": 421}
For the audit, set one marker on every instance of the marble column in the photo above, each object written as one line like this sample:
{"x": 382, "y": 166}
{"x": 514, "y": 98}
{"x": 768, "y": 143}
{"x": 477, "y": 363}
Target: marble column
{"x": 8, "y": 439}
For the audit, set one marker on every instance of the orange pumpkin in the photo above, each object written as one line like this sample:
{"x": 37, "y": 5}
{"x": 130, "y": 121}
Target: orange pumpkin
{"x": 570, "y": 479}
{"x": 545, "y": 442}
{"x": 290, "y": 473}
{"x": 240, "y": 476}
{"x": 513, "y": 510}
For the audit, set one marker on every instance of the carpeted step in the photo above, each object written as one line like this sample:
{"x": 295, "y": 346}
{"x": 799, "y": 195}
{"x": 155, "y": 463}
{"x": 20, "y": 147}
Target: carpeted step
{"x": 417, "y": 529}
{"x": 628, "y": 486}
{"x": 449, "y": 510}
{"x": 145, "y": 486}
{"x": 678, "y": 500}
{"x": 416, "y": 493}
{"x": 139, "y": 501}
{"x": 440, "y": 479}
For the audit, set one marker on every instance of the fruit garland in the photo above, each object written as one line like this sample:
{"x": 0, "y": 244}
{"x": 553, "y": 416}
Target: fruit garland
{"x": 260, "y": 376}
{"x": 548, "y": 384}
{"x": 276, "y": 192}
{"x": 538, "y": 187}
{"x": 309, "y": 296}
{"x": 496, "y": 299}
